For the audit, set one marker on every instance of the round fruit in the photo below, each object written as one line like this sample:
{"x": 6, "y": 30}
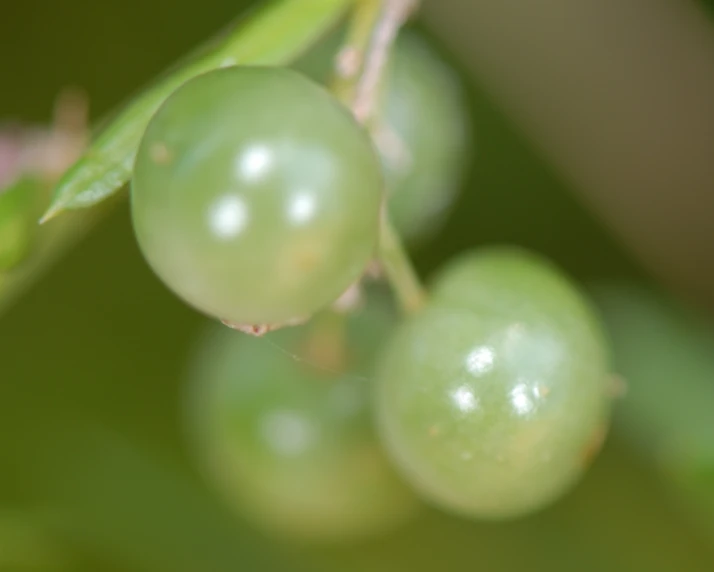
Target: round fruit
{"x": 290, "y": 444}
{"x": 256, "y": 195}
{"x": 423, "y": 138}
{"x": 494, "y": 398}
{"x": 512, "y": 279}
{"x": 421, "y": 134}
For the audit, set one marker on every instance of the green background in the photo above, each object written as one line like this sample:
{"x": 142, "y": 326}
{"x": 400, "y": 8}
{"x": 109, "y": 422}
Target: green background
{"x": 91, "y": 444}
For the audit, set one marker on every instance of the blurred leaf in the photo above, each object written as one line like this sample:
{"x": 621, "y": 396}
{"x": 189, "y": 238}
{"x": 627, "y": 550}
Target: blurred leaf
{"x": 276, "y": 35}
{"x": 18, "y": 220}
{"x": 51, "y": 242}
{"x": 666, "y": 355}
{"x": 665, "y": 352}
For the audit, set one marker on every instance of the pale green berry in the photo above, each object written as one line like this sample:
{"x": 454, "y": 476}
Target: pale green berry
{"x": 494, "y": 398}
{"x": 256, "y": 195}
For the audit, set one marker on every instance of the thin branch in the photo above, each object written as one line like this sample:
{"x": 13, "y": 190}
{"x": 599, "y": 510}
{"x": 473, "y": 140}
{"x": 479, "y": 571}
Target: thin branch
{"x": 393, "y": 15}
{"x": 361, "y": 67}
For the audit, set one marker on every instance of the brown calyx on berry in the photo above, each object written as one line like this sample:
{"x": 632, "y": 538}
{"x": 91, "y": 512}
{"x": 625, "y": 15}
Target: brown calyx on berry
{"x": 259, "y": 330}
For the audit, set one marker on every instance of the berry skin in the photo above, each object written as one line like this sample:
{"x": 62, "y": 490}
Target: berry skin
{"x": 423, "y": 138}
{"x": 291, "y": 445}
{"x": 494, "y": 398}
{"x": 256, "y": 195}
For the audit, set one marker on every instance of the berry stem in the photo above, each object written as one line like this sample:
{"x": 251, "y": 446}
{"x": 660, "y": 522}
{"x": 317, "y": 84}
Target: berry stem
{"x": 390, "y": 17}
{"x": 399, "y": 268}
{"x": 360, "y": 67}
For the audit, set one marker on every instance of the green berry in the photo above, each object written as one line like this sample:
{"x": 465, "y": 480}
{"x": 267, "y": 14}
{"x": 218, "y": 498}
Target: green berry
{"x": 424, "y": 138}
{"x": 289, "y": 442}
{"x": 512, "y": 279}
{"x": 494, "y": 398}
{"x": 256, "y": 195}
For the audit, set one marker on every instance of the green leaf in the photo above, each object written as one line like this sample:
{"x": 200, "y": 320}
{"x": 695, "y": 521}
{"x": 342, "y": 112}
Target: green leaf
{"x": 18, "y": 215}
{"x": 664, "y": 351}
{"x": 275, "y": 35}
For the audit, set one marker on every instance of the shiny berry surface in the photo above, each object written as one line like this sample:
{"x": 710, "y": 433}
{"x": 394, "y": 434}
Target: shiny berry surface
{"x": 256, "y": 195}
{"x": 494, "y": 398}
{"x": 285, "y": 433}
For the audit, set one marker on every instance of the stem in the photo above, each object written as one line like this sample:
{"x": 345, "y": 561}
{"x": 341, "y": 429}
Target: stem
{"x": 399, "y": 269}
{"x": 390, "y": 17}
{"x": 350, "y": 59}
{"x": 360, "y": 72}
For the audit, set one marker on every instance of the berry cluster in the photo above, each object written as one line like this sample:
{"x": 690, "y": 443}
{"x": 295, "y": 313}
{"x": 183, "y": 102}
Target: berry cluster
{"x": 259, "y": 199}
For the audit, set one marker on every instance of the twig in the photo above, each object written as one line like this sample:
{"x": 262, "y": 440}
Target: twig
{"x": 375, "y": 28}
{"x": 393, "y": 15}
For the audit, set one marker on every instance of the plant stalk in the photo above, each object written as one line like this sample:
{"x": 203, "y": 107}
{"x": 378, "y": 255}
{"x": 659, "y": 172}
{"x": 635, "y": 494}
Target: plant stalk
{"x": 360, "y": 70}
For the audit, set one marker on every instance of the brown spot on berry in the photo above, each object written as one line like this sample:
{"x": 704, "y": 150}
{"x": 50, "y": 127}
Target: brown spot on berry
{"x": 251, "y": 329}
{"x": 306, "y": 260}
{"x": 160, "y": 154}
{"x": 617, "y": 386}
{"x": 543, "y": 390}
{"x": 594, "y": 445}
{"x": 259, "y": 330}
